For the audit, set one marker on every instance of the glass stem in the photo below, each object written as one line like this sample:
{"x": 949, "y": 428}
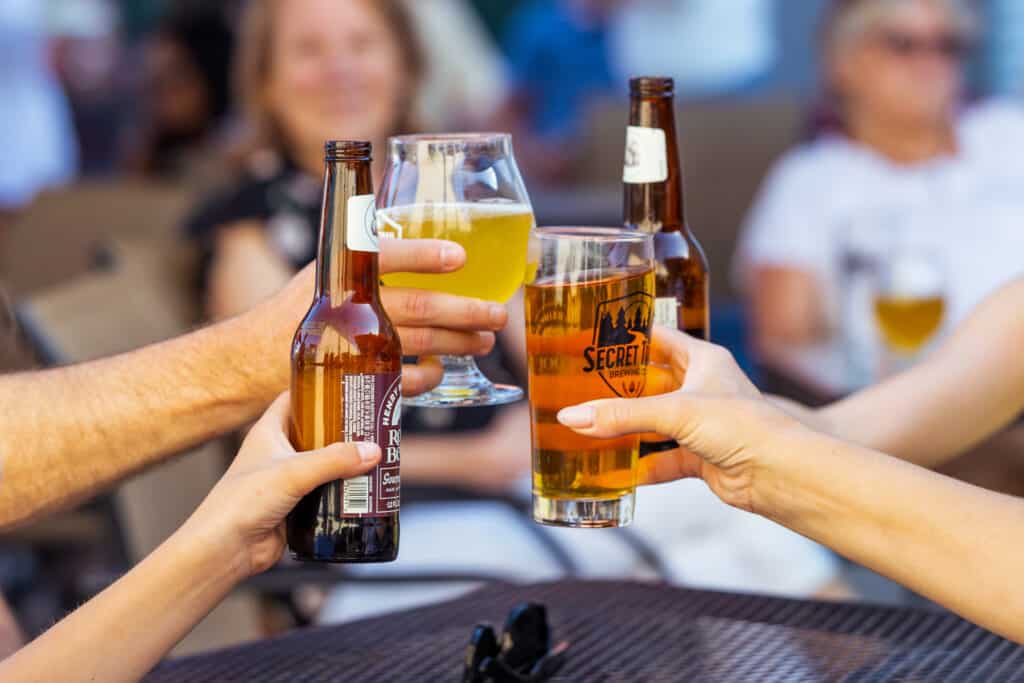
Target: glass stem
{"x": 461, "y": 373}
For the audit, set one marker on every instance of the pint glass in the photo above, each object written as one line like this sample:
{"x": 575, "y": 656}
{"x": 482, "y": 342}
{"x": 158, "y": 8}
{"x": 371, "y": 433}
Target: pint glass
{"x": 589, "y": 309}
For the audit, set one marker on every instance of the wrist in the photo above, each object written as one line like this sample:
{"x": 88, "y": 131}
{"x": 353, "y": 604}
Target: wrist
{"x": 791, "y": 463}
{"x": 214, "y": 546}
{"x": 257, "y": 361}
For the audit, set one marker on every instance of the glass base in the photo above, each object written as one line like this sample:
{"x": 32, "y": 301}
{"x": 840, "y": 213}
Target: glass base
{"x": 590, "y": 513}
{"x": 464, "y": 386}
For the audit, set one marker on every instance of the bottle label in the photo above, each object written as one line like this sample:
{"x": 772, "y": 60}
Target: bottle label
{"x": 372, "y": 411}
{"x": 646, "y": 156}
{"x": 362, "y": 224}
{"x": 666, "y": 312}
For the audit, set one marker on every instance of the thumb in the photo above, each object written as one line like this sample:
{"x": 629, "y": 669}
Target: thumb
{"x": 300, "y": 473}
{"x": 617, "y": 417}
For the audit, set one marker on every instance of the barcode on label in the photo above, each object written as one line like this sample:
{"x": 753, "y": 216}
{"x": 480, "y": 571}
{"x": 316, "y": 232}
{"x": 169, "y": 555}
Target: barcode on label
{"x": 356, "y": 496}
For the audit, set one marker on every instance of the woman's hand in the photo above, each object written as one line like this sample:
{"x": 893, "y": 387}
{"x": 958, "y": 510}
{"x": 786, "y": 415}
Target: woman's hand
{"x": 717, "y": 416}
{"x": 244, "y": 513}
{"x": 429, "y": 323}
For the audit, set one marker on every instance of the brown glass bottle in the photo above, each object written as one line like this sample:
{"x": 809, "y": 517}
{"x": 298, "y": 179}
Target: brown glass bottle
{"x": 346, "y": 376}
{"x": 653, "y": 202}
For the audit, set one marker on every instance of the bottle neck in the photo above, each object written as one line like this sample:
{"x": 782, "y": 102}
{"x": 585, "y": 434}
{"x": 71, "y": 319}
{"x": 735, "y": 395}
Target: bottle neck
{"x": 656, "y": 206}
{"x": 344, "y": 274}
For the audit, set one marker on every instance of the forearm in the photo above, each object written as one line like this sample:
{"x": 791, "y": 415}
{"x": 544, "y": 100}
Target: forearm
{"x": 952, "y": 542}
{"x": 928, "y": 415}
{"x": 69, "y": 432}
{"x": 127, "y": 629}
{"x": 963, "y": 393}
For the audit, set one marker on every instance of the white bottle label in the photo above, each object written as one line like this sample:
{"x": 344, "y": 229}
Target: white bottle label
{"x": 666, "y": 312}
{"x": 646, "y": 156}
{"x": 362, "y": 224}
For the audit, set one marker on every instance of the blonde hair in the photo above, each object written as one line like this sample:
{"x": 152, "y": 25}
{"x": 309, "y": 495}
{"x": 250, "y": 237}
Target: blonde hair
{"x": 849, "y": 20}
{"x": 255, "y": 50}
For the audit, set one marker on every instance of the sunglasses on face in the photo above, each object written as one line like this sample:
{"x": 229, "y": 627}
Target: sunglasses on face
{"x": 901, "y": 44}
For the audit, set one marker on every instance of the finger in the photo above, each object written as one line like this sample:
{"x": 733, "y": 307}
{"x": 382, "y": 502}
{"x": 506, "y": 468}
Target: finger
{"x": 422, "y": 377}
{"x": 424, "y": 308}
{"x": 670, "y": 347}
{"x": 431, "y": 341}
{"x": 278, "y": 415}
{"x": 668, "y": 466}
{"x": 618, "y": 417}
{"x": 300, "y": 473}
{"x": 420, "y": 256}
{"x": 661, "y": 379}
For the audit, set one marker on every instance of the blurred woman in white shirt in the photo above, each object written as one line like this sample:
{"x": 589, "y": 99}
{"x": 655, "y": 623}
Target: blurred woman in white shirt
{"x": 904, "y": 144}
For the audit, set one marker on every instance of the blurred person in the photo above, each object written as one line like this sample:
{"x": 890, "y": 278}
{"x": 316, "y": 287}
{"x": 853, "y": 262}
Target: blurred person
{"x": 464, "y": 79}
{"x": 826, "y": 474}
{"x": 312, "y": 70}
{"x": 308, "y": 71}
{"x": 36, "y": 130}
{"x": 89, "y": 59}
{"x": 901, "y": 143}
{"x": 559, "y": 63}
{"x": 186, "y": 96}
{"x": 729, "y": 46}
{"x": 237, "y": 532}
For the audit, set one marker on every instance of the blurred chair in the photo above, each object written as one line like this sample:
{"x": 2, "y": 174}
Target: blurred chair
{"x": 65, "y": 232}
{"x": 728, "y": 146}
{"x": 143, "y": 295}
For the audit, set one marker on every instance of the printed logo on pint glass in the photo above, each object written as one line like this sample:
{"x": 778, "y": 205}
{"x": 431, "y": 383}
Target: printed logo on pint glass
{"x": 621, "y": 343}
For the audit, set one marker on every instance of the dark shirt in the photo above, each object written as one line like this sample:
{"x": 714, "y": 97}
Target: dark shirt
{"x": 287, "y": 202}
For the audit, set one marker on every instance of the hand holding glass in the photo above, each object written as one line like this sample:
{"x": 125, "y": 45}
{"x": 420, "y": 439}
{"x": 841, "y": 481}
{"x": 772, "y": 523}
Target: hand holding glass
{"x": 589, "y": 309}
{"x": 464, "y": 188}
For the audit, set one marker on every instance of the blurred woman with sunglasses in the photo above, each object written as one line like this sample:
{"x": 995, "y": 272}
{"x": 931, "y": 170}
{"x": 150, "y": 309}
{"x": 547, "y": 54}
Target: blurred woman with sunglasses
{"x": 898, "y": 141}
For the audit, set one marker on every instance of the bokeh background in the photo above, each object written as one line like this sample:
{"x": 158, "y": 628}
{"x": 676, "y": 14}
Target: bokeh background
{"x": 160, "y": 171}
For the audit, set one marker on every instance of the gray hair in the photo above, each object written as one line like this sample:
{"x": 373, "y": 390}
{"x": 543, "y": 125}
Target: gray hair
{"x": 851, "y": 19}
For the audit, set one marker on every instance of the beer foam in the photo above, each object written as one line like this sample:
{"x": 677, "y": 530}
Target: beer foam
{"x": 913, "y": 276}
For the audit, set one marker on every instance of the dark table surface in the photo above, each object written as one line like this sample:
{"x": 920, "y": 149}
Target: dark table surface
{"x": 634, "y": 632}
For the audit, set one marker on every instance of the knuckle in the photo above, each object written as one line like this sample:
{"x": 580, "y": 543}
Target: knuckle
{"x": 419, "y": 340}
{"x": 419, "y": 306}
{"x": 720, "y": 356}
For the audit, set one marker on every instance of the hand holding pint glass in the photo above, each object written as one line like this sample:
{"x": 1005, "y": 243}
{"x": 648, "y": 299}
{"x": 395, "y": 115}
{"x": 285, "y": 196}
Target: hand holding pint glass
{"x": 589, "y": 310}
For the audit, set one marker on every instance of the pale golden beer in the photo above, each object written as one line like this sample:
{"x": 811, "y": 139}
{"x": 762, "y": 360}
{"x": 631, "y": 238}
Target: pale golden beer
{"x": 907, "y": 323}
{"x": 586, "y": 340}
{"x": 494, "y": 237}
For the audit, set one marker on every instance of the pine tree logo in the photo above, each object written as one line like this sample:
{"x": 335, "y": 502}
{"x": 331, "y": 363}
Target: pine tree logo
{"x": 621, "y": 343}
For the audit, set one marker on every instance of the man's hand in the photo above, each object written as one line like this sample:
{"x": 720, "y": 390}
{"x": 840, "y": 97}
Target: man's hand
{"x": 428, "y": 323}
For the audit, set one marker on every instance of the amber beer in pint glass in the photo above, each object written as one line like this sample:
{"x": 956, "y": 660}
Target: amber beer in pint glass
{"x": 589, "y": 309}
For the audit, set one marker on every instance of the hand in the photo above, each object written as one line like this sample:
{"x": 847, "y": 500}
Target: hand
{"x": 245, "y": 511}
{"x": 428, "y": 323}
{"x": 718, "y": 417}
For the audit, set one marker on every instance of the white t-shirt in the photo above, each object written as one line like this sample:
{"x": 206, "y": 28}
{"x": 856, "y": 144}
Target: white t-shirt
{"x": 971, "y": 204}
{"x": 683, "y": 39}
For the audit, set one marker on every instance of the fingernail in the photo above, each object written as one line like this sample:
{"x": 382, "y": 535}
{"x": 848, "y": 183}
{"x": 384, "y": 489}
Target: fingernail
{"x": 450, "y": 257}
{"x": 498, "y": 315}
{"x": 368, "y": 452}
{"x": 577, "y": 417}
